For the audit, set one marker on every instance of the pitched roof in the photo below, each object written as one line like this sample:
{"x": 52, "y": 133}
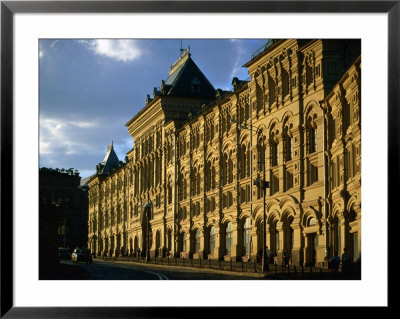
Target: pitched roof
{"x": 185, "y": 79}
{"x": 109, "y": 162}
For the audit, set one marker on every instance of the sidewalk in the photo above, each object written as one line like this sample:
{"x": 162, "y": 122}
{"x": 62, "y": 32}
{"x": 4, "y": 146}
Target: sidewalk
{"x": 275, "y": 271}
{"x": 182, "y": 268}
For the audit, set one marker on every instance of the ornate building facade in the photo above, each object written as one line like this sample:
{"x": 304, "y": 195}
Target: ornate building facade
{"x": 197, "y": 152}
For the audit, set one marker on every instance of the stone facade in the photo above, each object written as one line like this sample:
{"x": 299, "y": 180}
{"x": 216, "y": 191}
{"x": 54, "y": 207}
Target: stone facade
{"x": 296, "y": 122}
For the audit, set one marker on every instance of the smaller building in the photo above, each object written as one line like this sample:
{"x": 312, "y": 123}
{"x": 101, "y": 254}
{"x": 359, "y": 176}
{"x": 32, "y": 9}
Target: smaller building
{"x": 63, "y": 208}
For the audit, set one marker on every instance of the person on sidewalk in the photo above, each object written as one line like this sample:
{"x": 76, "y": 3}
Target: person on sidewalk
{"x": 259, "y": 256}
{"x": 346, "y": 262}
{"x": 267, "y": 254}
{"x": 285, "y": 259}
{"x": 335, "y": 261}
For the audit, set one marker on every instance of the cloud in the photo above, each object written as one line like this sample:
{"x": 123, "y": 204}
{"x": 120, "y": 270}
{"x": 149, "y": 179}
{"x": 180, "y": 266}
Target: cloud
{"x": 63, "y": 137}
{"x": 239, "y": 54}
{"x": 41, "y": 54}
{"x": 52, "y": 45}
{"x": 120, "y": 50}
{"x": 81, "y": 143}
{"x": 122, "y": 147}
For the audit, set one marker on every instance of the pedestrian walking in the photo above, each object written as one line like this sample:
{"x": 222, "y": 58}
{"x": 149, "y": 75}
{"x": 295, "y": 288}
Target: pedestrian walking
{"x": 346, "y": 261}
{"x": 267, "y": 254}
{"x": 259, "y": 256}
{"x": 335, "y": 262}
{"x": 286, "y": 257}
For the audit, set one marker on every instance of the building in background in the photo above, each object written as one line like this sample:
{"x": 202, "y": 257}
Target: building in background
{"x": 63, "y": 206}
{"x": 198, "y": 150}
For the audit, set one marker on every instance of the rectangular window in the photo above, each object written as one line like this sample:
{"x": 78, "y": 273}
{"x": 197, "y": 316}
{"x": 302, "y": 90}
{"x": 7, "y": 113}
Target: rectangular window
{"x": 313, "y": 174}
{"x": 289, "y": 180}
{"x": 197, "y": 246}
{"x": 228, "y": 243}
{"x": 242, "y": 195}
{"x": 247, "y": 241}
{"x": 212, "y": 243}
{"x": 248, "y": 195}
{"x": 274, "y": 184}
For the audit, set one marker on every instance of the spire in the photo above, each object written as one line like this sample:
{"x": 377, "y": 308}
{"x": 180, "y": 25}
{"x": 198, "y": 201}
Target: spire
{"x": 110, "y": 160}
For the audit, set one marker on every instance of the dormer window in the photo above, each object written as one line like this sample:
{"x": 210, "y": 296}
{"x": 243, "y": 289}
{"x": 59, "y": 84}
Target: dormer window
{"x": 195, "y": 85}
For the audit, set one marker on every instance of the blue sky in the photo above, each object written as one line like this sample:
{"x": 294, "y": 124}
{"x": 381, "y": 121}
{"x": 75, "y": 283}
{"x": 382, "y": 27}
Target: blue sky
{"x": 89, "y": 89}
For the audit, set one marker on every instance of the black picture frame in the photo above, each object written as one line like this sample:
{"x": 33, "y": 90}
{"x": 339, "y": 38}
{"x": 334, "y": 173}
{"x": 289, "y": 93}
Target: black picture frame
{"x": 9, "y": 8}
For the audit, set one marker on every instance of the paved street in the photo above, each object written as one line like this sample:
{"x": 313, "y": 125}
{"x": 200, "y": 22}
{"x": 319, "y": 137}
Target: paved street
{"x": 100, "y": 270}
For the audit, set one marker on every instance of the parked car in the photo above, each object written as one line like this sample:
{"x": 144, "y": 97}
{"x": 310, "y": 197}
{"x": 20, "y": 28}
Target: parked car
{"x": 63, "y": 253}
{"x": 81, "y": 255}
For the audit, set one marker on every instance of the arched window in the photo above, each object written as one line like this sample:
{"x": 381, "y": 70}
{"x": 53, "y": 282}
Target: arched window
{"x": 271, "y": 90}
{"x": 183, "y": 242}
{"x": 276, "y": 237}
{"x": 212, "y": 239}
{"x": 247, "y": 236}
{"x": 312, "y": 221}
{"x": 195, "y": 86}
{"x": 274, "y": 150}
{"x": 241, "y": 115}
{"x": 208, "y": 176}
{"x": 184, "y": 213}
{"x": 223, "y": 122}
{"x": 312, "y": 138}
{"x": 259, "y": 96}
{"x": 230, "y": 170}
{"x": 243, "y": 161}
{"x": 130, "y": 210}
{"x": 260, "y": 153}
{"x": 288, "y": 143}
{"x": 213, "y": 173}
{"x": 225, "y": 169}
{"x": 229, "y": 238}
{"x": 197, "y": 139}
{"x": 184, "y": 188}
{"x": 309, "y": 75}
{"x": 285, "y": 83}
{"x": 169, "y": 193}
{"x": 193, "y": 182}
{"x": 112, "y": 217}
{"x": 197, "y": 241}
{"x": 198, "y": 180}
{"x": 180, "y": 186}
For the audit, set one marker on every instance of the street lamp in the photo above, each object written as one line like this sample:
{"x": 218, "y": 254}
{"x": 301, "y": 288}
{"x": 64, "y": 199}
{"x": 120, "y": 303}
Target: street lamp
{"x": 261, "y": 184}
{"x": 147, "y": 210}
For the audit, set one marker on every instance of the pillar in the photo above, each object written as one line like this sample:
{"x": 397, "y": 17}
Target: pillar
{"x": 297, "y": 258}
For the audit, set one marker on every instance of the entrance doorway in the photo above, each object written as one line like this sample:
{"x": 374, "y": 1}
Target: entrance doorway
{"x": 312, "y": 244}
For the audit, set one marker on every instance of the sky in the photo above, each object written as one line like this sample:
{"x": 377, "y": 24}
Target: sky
{"x": 89, "y": 89}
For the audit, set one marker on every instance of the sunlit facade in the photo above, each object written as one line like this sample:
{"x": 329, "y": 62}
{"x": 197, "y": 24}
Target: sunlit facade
{"x": 197, "y": 150}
